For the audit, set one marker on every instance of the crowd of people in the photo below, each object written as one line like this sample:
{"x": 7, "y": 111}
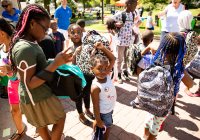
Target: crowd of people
{"x": 37, "y": 46}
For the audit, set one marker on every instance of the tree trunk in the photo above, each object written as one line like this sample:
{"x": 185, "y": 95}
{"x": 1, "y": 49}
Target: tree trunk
{"x": 55, "y": 4}
{"x": 46, "y": 6}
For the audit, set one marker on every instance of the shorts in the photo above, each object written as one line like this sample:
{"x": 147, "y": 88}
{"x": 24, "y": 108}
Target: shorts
{"x": 153, "y": 123}
{"x": 4, "y": 81}
{"x": 13, "y": 91}
{"x": 141, "y": 64}
{"x": 107, "y": 118}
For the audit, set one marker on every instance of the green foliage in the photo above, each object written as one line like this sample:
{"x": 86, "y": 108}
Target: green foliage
{"x": 153, "y": 1}
{"x": 150, "y": 6}
{"x": 72, "y": 5}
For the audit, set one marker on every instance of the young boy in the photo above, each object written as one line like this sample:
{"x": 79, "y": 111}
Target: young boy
{"x": 58, "y": 37}
{"x": 147, "y": 38}
{"x": 124, "y": 37}
{"x": 81, "y": 23}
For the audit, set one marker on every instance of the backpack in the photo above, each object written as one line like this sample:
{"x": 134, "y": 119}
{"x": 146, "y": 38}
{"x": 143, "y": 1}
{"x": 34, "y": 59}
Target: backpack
{"x": 156, "y": 90}
{"x": 124, "y": 20}
{"x": 12, "y": 23}
{"x": 83, "y": 57}
{"x": 133, "y": 57}
{"x": 192, "y": 48}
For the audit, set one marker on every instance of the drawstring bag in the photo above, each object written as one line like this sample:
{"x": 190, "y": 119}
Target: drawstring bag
{"x": 99, "y": 133}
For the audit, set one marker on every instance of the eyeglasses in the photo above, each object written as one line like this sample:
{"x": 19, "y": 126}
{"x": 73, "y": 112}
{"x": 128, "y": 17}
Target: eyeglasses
{"x": 45, "y": 29}
{"x": 5, "y": 6}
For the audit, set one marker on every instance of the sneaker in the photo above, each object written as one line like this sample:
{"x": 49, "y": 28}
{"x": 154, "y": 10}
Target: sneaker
{"x": 4, "y": 95}
{"x": 125, "y": 75}
{"x": 119, "y": 79}
{"x": 133, "y": 103}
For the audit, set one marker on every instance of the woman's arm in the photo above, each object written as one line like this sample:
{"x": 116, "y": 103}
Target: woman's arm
{"x": 187, "y": 80}
{"x": 162, "y": 13}
{"x": 108, "y": 53}
{"x": 33, "y": 81}
{"x": 95, "y": 100}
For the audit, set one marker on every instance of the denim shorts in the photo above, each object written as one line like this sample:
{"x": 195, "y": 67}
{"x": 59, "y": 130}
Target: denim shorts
{"x": 107, "y": 118}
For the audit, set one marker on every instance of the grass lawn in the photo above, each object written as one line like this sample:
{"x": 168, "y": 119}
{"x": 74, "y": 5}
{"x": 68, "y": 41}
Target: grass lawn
{"x": 106, "y": 13}
{"x": 100, "y": 26}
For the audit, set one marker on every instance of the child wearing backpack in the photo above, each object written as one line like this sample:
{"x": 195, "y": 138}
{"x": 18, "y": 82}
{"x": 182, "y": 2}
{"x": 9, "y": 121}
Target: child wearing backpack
{"x": 75, "y": 34}
{"x": 124, "y": 37}
{"x": 81, "y": 23}
{"x": 184, "y": 22}
{"x": 36, "y": 100}
{"x": 103, "y": 91}
{"x": 147, "y": 38}
{"x": 170, "y": 57}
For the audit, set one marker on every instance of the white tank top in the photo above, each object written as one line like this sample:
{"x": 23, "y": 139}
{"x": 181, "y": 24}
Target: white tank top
{"x": 107, "y": 96}
{"x": 171, "y": 18}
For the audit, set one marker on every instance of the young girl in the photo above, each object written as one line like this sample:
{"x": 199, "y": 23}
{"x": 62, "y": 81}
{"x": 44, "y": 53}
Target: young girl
{"x": 75, "y": 34}
{"x": 184, "y": 22}
{"x": 37, "y": 102}
{"x": 5, "y": 38}
{"x": 149, "y": 24}
{"x": 172, "y": 52}
{"x": 103, "y": 91}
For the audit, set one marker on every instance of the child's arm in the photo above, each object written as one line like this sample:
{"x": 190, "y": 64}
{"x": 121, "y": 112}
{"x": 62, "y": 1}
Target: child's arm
{"x": 108, "y": 53}
{"x": 187, "y": 80}
{"x": 74, "y": 55}
{"x": 95, "y": 100}
{"x": 145, "y": 50}
{"x": 6, "y": 69}
{"x": 63, "y": 45}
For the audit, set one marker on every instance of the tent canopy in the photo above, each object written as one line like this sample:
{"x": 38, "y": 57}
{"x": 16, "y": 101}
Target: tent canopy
{"x": 122, "y": 3}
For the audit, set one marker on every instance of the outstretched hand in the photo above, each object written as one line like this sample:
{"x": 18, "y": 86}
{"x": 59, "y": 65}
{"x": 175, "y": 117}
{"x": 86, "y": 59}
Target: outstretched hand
{"x": 63, "y": 57}
{"x": 99, "y": 45}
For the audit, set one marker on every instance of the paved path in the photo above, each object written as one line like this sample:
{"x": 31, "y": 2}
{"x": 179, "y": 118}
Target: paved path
{"x": 128, "y": 121}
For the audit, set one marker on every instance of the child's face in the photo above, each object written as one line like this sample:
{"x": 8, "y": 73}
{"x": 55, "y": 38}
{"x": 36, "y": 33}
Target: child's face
{"x": 132, "y": 6}
{"x": 101, "y": 70}
{"x": 76, "y": 34}
{"x": 54, "y": 26}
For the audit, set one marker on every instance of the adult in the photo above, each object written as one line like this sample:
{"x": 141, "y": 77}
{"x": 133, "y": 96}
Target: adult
{"x": 10, "y": 12}
{"x": 91, "y": 15}
{"x": 171, "y": 13}
{"x": 62, "y": 16}
{"x": 98, "y": 15}
{"x": 141, "y": 10}
{"x": 137, "y": 22}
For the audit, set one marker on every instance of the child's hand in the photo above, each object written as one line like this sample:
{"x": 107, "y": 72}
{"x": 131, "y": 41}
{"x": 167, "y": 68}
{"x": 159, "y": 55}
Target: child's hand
{"x": 99, "y": 45}
{"x": 2, "y": 74}
{"x": 63, "y": 57}
{"x": 5, "y": 69}
{"x": 119, "y": 24}
{"x": 153, "y": 49}
{"x": 78, "y": 49}
{"x": 100, "y": 124}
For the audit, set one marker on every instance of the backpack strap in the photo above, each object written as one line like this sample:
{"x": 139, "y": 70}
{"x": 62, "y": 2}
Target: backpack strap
{"x": 123, "y": 16}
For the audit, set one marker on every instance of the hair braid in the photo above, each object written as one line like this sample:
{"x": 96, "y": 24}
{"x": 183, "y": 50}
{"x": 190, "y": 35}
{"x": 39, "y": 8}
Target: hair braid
{"x": 32, "y": 11}
{"x": 173, "y": 44}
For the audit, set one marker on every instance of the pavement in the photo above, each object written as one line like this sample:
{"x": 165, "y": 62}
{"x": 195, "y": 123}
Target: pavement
{"x": 128, "y": 121}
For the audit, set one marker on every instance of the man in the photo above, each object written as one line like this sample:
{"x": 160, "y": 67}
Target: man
{"x": 62, "y": 16}
{"x": 141, "y": 10}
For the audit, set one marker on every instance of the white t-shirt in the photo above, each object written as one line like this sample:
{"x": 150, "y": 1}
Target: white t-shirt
{"x": 149, "y": 25}
{"x": 107, "y": 96}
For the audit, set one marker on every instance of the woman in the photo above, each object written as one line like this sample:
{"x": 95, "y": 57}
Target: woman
{"x": 171, "y": 13}
{"x": 10, "y": 12}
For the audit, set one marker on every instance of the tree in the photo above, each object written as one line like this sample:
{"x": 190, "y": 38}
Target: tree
{"x": 45, "y": 2}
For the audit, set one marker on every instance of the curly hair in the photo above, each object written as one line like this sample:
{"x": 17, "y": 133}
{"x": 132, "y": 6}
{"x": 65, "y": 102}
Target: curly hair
{"x": 31, "y": 11}
{"x": 98, "y": 58}
{"x": 5, "y": 26}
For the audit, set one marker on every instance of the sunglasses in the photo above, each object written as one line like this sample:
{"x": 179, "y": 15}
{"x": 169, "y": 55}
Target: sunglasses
{"x": 5, "y": 6}
{"x": 45, "y": 29}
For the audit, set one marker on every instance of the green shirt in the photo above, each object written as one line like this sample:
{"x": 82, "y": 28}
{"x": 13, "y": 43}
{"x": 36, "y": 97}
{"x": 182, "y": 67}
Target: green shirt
{"x": 32, "y": 54}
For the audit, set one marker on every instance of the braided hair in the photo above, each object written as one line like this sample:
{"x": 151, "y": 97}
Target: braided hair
{"x": 31, "y": 11}
{"x": 172, "y": 44}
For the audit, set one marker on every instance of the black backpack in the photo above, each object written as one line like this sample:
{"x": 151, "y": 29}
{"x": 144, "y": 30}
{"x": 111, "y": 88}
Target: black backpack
{"x": 12, "y": 23}
{"x": 124, "y": 20}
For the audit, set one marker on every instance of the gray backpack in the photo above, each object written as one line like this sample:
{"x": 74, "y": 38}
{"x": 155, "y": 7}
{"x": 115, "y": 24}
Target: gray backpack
{"x": 156, "y": 90}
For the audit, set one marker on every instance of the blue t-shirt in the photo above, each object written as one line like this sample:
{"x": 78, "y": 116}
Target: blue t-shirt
{"x": 15, "y": 16}
{"x": 63, "y": 16}
{"x": 59, "y": 38}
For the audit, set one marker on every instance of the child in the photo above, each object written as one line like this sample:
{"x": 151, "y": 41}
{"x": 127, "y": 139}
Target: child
{"x": 75, "y": 34}
{"x": 147, "y": 38}
{"x": 172, "y": 51}
{"x": 81, "y": 23}
{"x": 149, "y": 24}
{"x": 37, "y": 102}
{"x": 103, "y": 91}
{"x": 5, "y": 38}
{"x": 184, "y": 22}
{"x": 58, "y": 37}
{"x": 124, "y": 37}
{"x": 137, "y": 21}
